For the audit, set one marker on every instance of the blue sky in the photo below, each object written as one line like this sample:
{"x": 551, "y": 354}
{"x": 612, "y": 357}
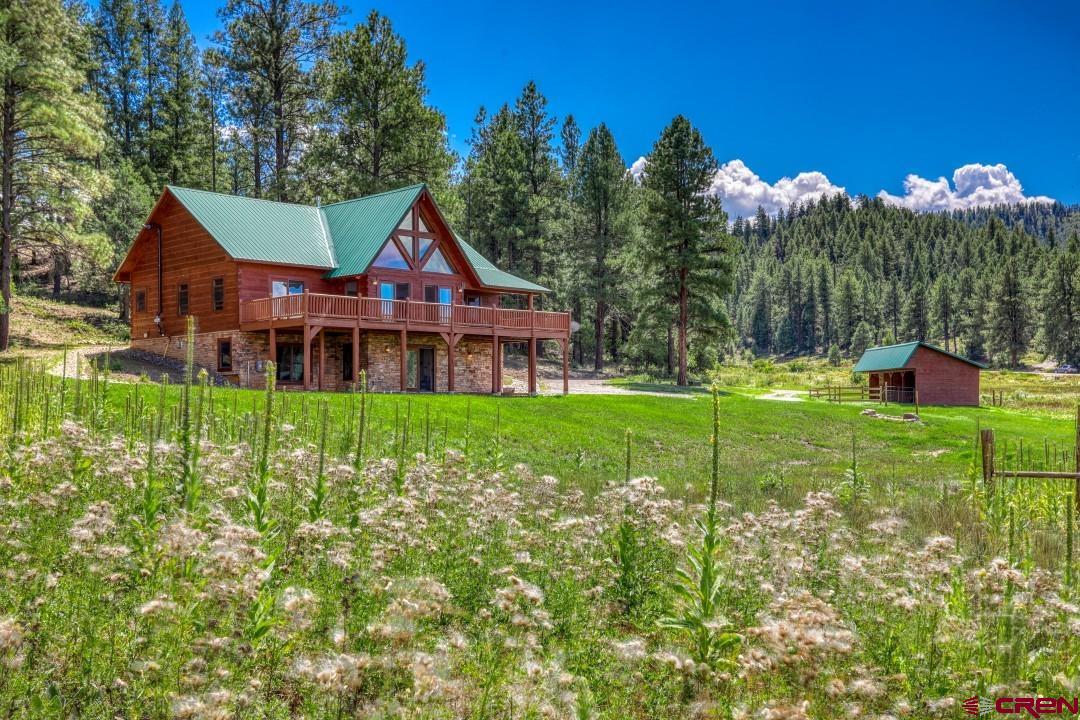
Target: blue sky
{"x": 861, "y": 95}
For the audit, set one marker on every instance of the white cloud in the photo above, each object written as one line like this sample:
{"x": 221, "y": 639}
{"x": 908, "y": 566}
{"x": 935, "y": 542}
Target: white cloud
{"x": 741, "y": 190}
{"x": 973, "y": 185}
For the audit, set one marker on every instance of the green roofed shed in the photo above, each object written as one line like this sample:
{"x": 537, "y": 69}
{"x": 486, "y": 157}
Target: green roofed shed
{"x": 918, "y": 370}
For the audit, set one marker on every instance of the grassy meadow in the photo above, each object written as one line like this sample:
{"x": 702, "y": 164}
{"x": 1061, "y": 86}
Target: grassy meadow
{"x": 202, "y": 552}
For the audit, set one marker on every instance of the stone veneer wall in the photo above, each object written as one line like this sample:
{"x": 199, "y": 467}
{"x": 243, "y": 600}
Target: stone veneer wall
{"x": 472, "y": 366}
{"x": 247, "y": 349}
{"x": 379, "y": 357}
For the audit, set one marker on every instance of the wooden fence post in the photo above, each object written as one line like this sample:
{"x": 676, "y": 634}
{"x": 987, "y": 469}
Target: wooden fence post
{"x": 987, "y": 444}
{"x": 916, "y": 393}
{"x": 1076, "y": 458}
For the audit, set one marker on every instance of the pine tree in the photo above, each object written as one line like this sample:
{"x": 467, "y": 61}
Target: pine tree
{"x": 118, "y": 51}
{"x": 178, "y": 158}
{"x": 916, "y": 321}
{"x": 861, "y": 339}
{"x": 1061, "y": 307}
{"x": 943, "y": 314}
{"x": 48, "y": 122}
{"x": 269, "y": 45}
{"x": 376, "y": 130}
{"x": 686, "y": 246}
{"x": 846, "y": 307}
{"x": 601, "y": 192}
{"x": 1008, "y": 322}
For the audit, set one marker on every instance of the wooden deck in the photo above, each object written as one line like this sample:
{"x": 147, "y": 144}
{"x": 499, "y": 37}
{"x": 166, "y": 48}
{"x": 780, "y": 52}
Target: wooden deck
{"x": 344, "y": 311}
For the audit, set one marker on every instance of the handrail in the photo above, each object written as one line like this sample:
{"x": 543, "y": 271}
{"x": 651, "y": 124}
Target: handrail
{"x": 408, "y": 312}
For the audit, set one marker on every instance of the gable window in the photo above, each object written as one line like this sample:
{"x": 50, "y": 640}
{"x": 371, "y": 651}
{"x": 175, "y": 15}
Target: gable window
{"x": 224, "y": 354}
{"x": 390, "y": 257}
{"x": 218, "y": 292}
{"x": 182, "y": 299}
{"x": 286, "y": 287}
{"x": 425, "y": 243}
{"x": 437, "y": 263}
{"x": 140, "y": 301}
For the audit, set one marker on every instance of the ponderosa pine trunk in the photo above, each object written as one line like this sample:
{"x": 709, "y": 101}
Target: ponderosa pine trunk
{"x": 7, "y": 204}
{"x": 598, "y": 357}
{"x": 684, "y": 301}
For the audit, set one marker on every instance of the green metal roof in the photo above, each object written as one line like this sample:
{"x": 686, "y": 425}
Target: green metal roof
{"x": 361, "y": 227}
{"x": 261, "y": 230}
{"x": 491, "y": 275}
{"x": 895, "y": 357}
{"x": 342, "y": 237}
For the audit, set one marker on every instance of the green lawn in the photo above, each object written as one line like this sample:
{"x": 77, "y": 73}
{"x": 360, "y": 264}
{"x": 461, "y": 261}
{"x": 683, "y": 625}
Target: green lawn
{"x": 770, "y": 450}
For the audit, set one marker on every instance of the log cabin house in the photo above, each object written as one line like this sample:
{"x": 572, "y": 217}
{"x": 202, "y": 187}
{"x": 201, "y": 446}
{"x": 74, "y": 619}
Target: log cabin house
{"x": 380, "y": 283}
{"x": 898, "y": 372}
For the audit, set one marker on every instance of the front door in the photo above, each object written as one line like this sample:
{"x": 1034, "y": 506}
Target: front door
{"x": 427, "y": 370}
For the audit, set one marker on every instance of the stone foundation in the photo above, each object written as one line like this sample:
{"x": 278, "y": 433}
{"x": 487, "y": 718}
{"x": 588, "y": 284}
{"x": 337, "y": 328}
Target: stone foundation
{"x": 380, "y": 358}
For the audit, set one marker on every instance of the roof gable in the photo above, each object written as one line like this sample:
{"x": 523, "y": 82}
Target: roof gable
{"x": 360, "y": 227}
{"x": 894, "y": 357}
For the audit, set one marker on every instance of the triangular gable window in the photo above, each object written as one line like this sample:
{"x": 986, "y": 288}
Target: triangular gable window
{"x": 437, "y": 264}
{"x": 423, "y": 227}
{"x": 390, "y": 257}
{"x": 425, "y": 243}
{"x": 406, "y": 222}
{"x": 406, "y": 242}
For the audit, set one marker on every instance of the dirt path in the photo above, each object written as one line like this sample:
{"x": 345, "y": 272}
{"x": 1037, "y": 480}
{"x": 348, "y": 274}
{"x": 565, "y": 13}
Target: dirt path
{"x": 784, "y": 396}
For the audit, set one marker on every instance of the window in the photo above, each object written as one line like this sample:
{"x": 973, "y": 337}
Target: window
{"x": 425, "y": 243}
{"x": 438, "y": 294}
{"x": 224, "y": 354}
{"x": 218, "y": 292}
{"x": 290, "y": 363}
{"x": 406, "y": 222}
{"x": 401, "y": 291}
{"x": 423, "y": 227}
{"x": 286, "y": 287}
{"x": 346, "y": 362}
{"x": 391, "y": 257}
{"x": 140, "y": 301}
{"x": 351, "y": 288}
{"x": 473, "y": 300}
{"x": 437, "y": 263}
{"x": 182, "y": 299}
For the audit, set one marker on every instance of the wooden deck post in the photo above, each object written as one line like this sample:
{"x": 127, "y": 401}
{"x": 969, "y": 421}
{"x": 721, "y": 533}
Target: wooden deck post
{"x": 566, "y": 366}
{"x": 532, "y": 365}
{"x": 356, "y": 354}
{"x": 496, "y": 364}
{"x": 307, "y": 354}
{"x": 451, "y": 359}
{"x": 404, "y": 352}
{"x": 322, "y": 357}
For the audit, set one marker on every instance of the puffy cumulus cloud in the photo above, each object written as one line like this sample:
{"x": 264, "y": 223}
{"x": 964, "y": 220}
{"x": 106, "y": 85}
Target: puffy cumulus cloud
{"x": 741, "y": 190}
{"x": 973, "y": 185}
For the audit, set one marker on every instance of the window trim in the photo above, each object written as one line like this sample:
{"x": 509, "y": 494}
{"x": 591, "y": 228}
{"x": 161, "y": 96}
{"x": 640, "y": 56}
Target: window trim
{"x": 217, "y": 284}
{"x": 183, "y": 307}
{"x": 288, "y": 281}
{"x": 220, "y": 342}
{"x": 139, "y": 301}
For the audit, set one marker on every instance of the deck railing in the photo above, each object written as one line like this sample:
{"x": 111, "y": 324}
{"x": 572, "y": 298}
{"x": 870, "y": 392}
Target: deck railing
{"x": 409, "y": 312}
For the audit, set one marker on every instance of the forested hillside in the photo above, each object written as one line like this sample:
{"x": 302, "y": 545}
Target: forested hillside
{"x": 103, "y": 107}
{"x": 853, "y": 274}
